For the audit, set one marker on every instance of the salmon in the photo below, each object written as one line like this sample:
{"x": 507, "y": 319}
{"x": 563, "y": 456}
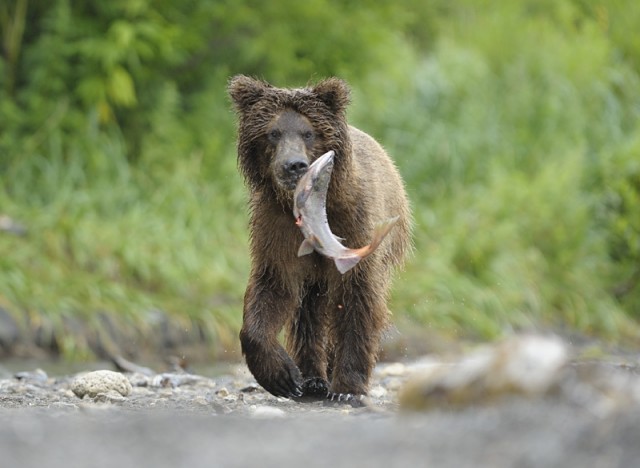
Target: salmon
{"x": 310, "y": 212}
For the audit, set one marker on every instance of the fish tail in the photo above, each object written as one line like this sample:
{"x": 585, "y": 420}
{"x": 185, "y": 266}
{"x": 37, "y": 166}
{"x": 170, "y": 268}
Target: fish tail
{"x": 381, "y": 230}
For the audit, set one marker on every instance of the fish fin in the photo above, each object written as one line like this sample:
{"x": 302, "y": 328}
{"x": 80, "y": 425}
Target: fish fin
{"x": 305, "y": 248}
{"x": 344, "y": 264}
{"x": 379, "y": 233}
{"x": 339, "y": 239}
{"x": 381, "y": 230}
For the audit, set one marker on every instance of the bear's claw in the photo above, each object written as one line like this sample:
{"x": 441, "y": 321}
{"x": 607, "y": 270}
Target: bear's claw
{"x": 354, "y": 400}
{"x": 285, "y": 383}
{"x": 283, "y": 390}
{"x": 315, "y": 386}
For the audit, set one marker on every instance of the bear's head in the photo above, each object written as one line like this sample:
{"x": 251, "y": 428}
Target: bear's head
{"x": 282, "y": 131}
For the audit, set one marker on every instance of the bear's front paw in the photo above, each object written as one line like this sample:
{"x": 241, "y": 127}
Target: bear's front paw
{"x": 315, "y": 387}
{"x": 285, "y": 381}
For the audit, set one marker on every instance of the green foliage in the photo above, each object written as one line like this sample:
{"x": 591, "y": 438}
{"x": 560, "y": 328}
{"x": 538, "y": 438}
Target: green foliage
{"x": 517, "y": 251}
{"x": 519, "y": 148}
{"x": 620, "y": 207}
{"x": 514, "y": 123}
{"x": 125, "y": 242}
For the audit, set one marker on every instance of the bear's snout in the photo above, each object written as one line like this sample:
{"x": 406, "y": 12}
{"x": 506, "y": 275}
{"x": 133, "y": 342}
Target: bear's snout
{"x": 296, "y": 167}
{"x": 290, "y": 172}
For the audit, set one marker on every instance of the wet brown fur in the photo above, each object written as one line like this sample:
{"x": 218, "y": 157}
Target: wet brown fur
{"x": 334, "y": 322}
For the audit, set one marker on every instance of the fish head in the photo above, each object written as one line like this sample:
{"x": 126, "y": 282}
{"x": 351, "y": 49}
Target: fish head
{"x": 319, "y": 172}
{"x": 315, "y": 179}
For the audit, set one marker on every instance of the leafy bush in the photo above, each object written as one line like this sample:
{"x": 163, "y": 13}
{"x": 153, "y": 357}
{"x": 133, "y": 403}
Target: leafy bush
{"x": 619, "y": 214}
{"x": 504, "y": 139}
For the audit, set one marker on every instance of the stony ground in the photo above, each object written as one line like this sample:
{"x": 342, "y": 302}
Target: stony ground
{"x": 178, "y": 419}
{"x": 235, "y": 393}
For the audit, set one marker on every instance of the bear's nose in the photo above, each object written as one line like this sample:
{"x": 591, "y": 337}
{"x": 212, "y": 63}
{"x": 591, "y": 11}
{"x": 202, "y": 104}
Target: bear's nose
{"x": 296, "y": 166}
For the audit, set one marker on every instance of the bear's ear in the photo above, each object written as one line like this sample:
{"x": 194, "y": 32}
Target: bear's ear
{"x": 334, "y": 92}
{"x": 246, "y": 91}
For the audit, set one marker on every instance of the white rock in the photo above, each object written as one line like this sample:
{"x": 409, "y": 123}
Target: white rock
{"x": 530, "y": 363}
{"x": 101, "y": 381}
{"x": 525, "y": 365}
{"x": 267, "y": 412}
{"x": 377, "y": 392}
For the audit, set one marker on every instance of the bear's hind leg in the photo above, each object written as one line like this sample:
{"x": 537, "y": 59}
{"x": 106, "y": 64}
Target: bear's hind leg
{"x": 357, "y": 325}
{"x": 306, "y": 340}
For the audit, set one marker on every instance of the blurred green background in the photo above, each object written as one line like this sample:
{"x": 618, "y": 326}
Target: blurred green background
{"x": 516, "y": 125}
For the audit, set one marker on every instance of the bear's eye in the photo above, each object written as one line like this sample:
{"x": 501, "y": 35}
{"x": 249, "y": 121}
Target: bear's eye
{"x": 308, "y": 135}
{"x": 274, "y": 134}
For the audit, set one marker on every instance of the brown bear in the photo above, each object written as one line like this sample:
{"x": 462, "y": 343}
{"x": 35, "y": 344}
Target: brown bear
{"x": 333, "y": 322}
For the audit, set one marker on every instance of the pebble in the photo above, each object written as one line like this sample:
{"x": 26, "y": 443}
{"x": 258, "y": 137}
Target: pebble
{"x": 174, "y": 380}
{"x": 139, "y": 380}
{"x": 377, "y": 392}
{"x": 267, "y": 412}
{"x": 101, "y": 381}
{"x": 109, "y": 397}
{"x": 528, "y": 366}
{"x": 37, "y": 376}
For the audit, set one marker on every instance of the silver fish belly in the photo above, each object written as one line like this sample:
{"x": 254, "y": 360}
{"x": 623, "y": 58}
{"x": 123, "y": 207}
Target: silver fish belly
{"x": 310, "y": 212}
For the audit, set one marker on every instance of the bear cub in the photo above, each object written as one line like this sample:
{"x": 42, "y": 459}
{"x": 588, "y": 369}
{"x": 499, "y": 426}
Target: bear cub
{"x": 333, "y": 322}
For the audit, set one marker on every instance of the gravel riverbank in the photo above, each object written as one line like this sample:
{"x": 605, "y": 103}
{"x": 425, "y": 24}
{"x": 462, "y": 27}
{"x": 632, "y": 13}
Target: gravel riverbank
{"x": 178, "y": 419}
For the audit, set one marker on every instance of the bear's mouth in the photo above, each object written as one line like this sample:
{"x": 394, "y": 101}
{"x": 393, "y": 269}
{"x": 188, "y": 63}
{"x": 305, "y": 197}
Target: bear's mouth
{"x": 288, "y": 182}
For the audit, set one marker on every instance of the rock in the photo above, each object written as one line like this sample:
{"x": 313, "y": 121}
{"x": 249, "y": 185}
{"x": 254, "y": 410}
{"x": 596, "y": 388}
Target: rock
{"x": 37, "y": 376}
{"x": 525, "y": 365}
{"x": 231, "y": 398}
{"x": 250, "y": 388}
{"x": 174, "y": 380}
{"x": 111, "y": 396}
{"x": 267, "y": 412}
{"x": 377, "y": 392}
{"x": 101, "y": 381}
{"x": 139, "y": 380}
